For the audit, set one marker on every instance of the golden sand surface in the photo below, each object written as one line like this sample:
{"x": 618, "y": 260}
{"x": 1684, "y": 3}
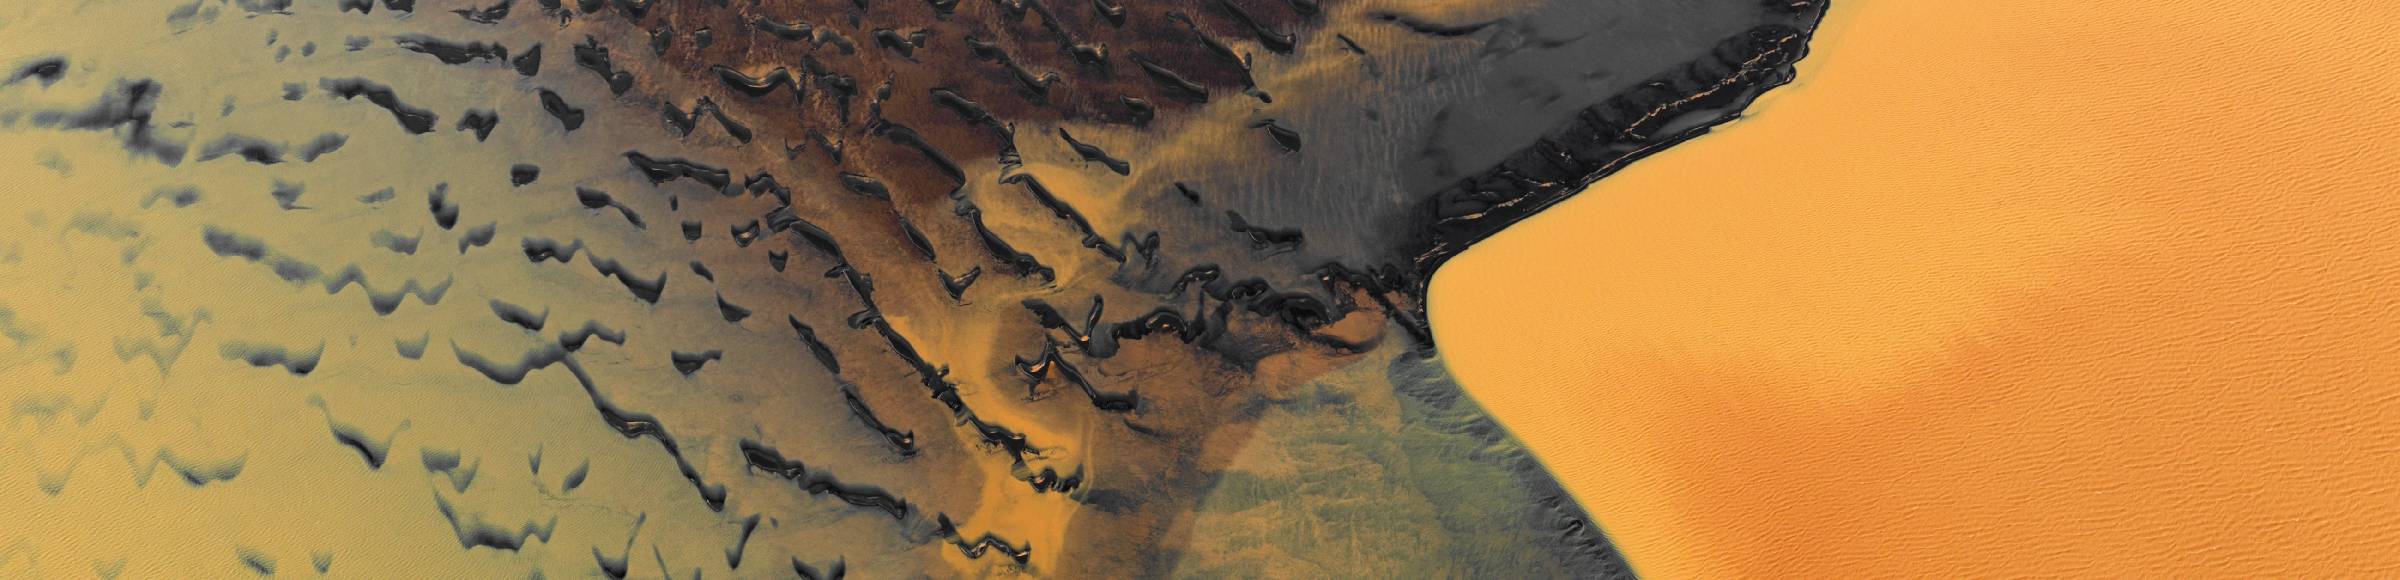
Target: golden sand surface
{"x": 2050, "y": 288}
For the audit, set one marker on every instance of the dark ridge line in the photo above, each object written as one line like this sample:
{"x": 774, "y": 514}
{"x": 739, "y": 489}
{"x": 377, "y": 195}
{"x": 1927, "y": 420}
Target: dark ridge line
{"x": 760, "y": 457}
{"x": 1277, "y": 42}
{"x": 45, "y": 69}
{"x": 251, "y": 149}
{"x": 480, "y": 121}
{"x": 477, "y": 236}
{"x": 759, "y": 86}
{"x": 539, "y": 249}
{"x": 905, "y": 443}
{"x": 595, "y": 199}
{"x": 447, "y": 462}
{"x": 743, "y": 234}
{"x": 451, "y": 52}
{"x": 741, "y": 543}
{"x": 179, "y": 195}
{"x": 258, "y": 562}
{"x": 907, "y": 137}
{"x": 324, "y": 143}
{"x": 635, "y": 9}
{"x": 1037, "y": 370}
{"x": 661, "y": 39}
{"x": 509, "y": 374}
{"x": 684, "y": 123}
{"x": 1050, "y": 318}
{"x": 569, "y": 117}
{"x": 490, "y": 15}
{"x": 1418, "y": 26}
{"x": 916, "y": 238}
{"x": 573, "y": 339}
{"x": 1283, "y": 136}
{"x": 267, "y": 355}
{"x": 1266, "y": 240}
{"x": 831, "y": 146}
{"x": 968, "y": 110}
{"x": 287, "y": 194}
{"x": 1022, "y": 264}
{"x": 633, "y": 425}
{"x": 473, "y": 532}
{"x": 445, "y": 213}
{"x": 808, "y": 336}
{"x": 1141, "y": 111}
{"x": 932, "y": 377}
{"x": 417, "y": 121}
{"x": 1302, "y": 312}
{"x": 1176, "y": 85}
{"x": 617, "y": 567}
{"x": 574, "y": 479}
{"x": 646, "y": 290}
{"x": 823, "y": 36}
{"x": 792, "y": 32}
{"x": 1035, "y": 88}
{"x": 1094, "y": 154}
{"x": 974, "y": 549}
{"x": 125, "y": 109}
{"x": 374, "y": 452}
{"x": 865, "y": 185}
{"x": 957, "y": 286}
{"x": 529, "y": 63}
{"x": 783, "y": 219}
{"x": 1062, "y": 210}
{"x": 385, "y": 303}
{"x": 519, "y": 315}
{"x": 732, "y": 313}
{"x": 763, "y": 183}
{"x": 590, "y": 55}
{"x": 662, "y": 171}
{"x": 688, "y": 363}
{"x": 837, "y": 571}
{"x": 1048, "y": 480}
{"x": 1365, "y": 60}
{"x": 413, "y": 349}
{"x": 841, "y": 86}
{"x": 197, "y": 475}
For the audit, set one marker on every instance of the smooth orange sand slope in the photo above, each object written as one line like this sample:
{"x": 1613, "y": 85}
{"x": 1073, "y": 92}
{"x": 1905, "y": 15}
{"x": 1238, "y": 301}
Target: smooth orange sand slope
{"x": 1998, "y": 288}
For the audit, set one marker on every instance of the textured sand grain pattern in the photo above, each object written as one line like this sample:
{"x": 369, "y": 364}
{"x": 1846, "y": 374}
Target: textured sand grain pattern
{"x": 2001, "y": 289}
{"x": 886, "y": 288}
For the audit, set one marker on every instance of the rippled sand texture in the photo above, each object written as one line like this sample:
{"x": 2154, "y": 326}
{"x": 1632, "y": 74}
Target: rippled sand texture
{"x": 891, "y": 288}
{"x": 1997, "y": 288}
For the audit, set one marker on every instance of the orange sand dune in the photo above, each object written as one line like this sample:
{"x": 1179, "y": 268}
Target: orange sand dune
{"x": 1998, "y": 288}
